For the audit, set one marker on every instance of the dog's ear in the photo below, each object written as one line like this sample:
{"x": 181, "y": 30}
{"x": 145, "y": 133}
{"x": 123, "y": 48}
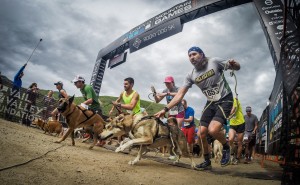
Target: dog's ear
{"x": 71, "y": 99}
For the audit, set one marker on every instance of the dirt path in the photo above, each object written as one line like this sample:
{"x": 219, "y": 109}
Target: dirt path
{"x": 66, "y": 164}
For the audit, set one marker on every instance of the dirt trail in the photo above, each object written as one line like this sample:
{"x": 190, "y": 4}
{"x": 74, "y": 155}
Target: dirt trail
{"x": 66, "y": 164}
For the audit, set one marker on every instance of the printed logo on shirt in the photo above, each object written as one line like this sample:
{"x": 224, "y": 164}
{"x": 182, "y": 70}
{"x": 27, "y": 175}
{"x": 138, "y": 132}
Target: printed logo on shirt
{"x": 206, "y": 75}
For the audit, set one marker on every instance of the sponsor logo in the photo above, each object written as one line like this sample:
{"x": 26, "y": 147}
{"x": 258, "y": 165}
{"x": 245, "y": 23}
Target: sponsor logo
{"x": 280, "y": 27}
{"x": 275, "y": 22}
{"x": 273, "y": 11}
{"x": 206, "y": 75}
{"x": 137, "y": 31}
{"x": 173, "y": 12}
{"x": 268, "y": 2}
{"x": 276, "y": 18}
{"x": 137, "y": 43}
{"x": 270, "y": 7}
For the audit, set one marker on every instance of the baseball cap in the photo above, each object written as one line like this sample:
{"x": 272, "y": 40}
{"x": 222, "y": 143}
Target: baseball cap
{"x": 78, "y": 78}
{"x": 169, "y": 79}
{"x": 58, "y": 83}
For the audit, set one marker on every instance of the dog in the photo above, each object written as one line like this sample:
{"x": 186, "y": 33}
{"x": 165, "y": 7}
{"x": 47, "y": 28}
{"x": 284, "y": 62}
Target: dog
{"x": 196, "y": 150}
{"x": 78, "y": 117}
{"x": 218, "y": 148}
{"x": 148, "y": 132}
{"x": 39, "y": 123}
{"x": 53, "y": 126}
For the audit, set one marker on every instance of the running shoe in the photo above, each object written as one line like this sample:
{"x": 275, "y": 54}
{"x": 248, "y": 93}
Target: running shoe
{"x": 225, "y": 157}
{"x": 206, "y": 165}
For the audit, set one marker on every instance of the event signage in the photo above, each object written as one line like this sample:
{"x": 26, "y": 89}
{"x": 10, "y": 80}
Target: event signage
{"x": 161, "y": 32}
{"x": 262, "y": 138}
{"x": 291, "y": 61}
{"x": 172, "y": 13}
{"x": 275, "y": 115}
{"x": 271, "y": 12}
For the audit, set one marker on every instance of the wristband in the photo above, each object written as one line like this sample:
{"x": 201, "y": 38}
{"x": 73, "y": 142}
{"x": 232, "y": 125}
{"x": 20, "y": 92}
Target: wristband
{"x": 166, "y": 109}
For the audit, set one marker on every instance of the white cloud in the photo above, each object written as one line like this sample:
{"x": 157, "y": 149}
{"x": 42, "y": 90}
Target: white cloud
{"x": 75, "y": 31}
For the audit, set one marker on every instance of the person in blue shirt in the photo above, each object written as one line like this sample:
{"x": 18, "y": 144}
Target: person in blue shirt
{"x": 13, "y": 97}
{"x": 17, "y": 84}
{"x": 188, "y": 125}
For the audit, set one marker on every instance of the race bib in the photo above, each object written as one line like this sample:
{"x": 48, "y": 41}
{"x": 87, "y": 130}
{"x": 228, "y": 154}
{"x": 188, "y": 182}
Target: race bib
{"x": 186, "y": 124}
{"x": 173, "y": 111}
{"x": 212, "y": 94}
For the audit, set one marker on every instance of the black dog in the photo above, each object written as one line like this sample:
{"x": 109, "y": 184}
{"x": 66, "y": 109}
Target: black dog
{"x": 196, "y": 150}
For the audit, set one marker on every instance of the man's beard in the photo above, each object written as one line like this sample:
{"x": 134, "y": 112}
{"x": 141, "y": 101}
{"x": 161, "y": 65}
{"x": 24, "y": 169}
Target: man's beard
{"x": 200, "y": 63}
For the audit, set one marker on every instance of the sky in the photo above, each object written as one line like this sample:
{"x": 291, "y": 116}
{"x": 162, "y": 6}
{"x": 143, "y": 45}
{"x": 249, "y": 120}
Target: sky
{"x": 74, "y": 31}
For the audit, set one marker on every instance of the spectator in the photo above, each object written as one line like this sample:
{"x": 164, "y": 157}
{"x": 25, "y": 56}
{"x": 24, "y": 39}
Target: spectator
{"x": 32, "y": 94}
{"x": 61, "y": 94}
{"x": 251, "y": 123}
{"x": 188, "y": 126}
{"x": 15, "y": 93}
{"x": 48, "y": 105}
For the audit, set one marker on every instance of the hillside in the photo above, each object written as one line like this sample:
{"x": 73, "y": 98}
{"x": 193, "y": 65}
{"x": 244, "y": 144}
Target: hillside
{"x": 105, "y": 101}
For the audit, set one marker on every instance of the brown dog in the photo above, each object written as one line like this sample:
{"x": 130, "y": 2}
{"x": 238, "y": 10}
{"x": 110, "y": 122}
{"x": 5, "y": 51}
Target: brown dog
{"x": 78, "y": 117}
{"x": 39, "y": 123}
{"x": 53, "y": 126}
{"x": 148, "y": 132}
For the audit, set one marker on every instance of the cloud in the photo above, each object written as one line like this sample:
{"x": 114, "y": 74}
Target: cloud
{"x": 74, "y": 31}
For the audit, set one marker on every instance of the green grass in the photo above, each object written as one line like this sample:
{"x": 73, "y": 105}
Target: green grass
{"x": 106, "y": 105}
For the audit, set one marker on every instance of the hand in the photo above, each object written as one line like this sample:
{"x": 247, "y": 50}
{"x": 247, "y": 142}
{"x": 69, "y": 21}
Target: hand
{"x": 84, "y": 106}
{"x": 160, "y": 114}
{"x": 231, "y": 62}
{"x": 253, "y": 132}
{"x": 115, "y": 103}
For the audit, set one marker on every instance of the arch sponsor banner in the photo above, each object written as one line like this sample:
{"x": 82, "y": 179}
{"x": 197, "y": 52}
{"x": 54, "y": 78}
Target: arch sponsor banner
{"x": 159, "y": 33}
{"x": 271, "y": 13}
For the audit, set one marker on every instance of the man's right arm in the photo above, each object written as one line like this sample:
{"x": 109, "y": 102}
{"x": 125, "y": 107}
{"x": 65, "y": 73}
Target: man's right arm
{"x": 117, "y": 101}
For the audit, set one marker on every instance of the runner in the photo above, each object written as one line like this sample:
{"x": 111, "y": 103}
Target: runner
{"x": 208, "y": 76}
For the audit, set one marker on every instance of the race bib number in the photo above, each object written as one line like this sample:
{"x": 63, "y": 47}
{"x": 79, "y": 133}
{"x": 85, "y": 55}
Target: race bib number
{"x": 186, "y": 124}
{"x": 173, "y": 111}
{"x": 212, "y": 94}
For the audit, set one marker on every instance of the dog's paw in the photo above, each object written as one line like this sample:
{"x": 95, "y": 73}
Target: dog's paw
{"x": 133, "y": 162}
{"x": 119, "y": 149}
{"x": 57, "y": 141}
